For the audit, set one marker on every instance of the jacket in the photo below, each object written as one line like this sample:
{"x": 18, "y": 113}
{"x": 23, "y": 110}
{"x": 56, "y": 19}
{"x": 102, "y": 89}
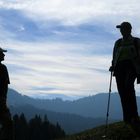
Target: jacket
{"x": 134, "y": 55}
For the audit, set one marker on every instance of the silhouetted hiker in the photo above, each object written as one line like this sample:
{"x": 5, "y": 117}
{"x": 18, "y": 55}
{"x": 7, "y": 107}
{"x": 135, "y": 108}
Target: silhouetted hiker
{"x": 126, "y": 68}
{"x": 6, "y": 132}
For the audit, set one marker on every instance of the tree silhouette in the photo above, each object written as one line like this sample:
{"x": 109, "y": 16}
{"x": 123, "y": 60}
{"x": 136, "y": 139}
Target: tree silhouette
{"x": 36, "y": 128}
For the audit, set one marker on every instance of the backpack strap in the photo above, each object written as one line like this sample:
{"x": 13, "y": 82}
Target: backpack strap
{"x": 119, "y": 42}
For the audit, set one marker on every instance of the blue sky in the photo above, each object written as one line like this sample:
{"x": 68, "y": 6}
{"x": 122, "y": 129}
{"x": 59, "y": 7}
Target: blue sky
{"x": 61, "y": 47}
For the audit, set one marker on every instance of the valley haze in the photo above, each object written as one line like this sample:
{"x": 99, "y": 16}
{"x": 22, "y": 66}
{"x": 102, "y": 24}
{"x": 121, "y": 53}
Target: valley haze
{"x": 74, "y": 116}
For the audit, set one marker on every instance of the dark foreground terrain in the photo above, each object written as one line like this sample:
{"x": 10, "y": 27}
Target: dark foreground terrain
{"x": 115, "y": 131}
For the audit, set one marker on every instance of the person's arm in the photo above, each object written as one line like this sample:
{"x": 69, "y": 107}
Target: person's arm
{"x": 137, "y": 59}
{"x": 4, "y": 81}
{"x": 114, "y": 56}
{"x": 3, "y": 89}
{"x": 138, "y": 48}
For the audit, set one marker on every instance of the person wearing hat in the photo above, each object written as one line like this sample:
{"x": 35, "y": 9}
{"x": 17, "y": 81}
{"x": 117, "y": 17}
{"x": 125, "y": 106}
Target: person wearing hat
{"x": 126, "y": 68}
{"x": 6, "y": 131}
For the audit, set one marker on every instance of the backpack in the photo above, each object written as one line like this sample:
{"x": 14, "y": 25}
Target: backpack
{"x": 135, "y": 45}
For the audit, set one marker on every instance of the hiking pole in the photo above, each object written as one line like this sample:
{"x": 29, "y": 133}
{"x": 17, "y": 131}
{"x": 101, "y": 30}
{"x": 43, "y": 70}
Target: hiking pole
{"x": 108, "y": 105}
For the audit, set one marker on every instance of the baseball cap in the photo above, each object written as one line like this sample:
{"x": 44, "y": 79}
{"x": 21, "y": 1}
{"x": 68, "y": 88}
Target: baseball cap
{"x": 3, "y": 50}
{"x": 124, "y": 25}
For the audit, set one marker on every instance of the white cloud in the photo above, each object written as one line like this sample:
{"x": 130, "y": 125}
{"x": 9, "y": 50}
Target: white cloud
{"x": 77, "y": 11}
{"x": 54, "y": 65}
{"x": 68, "y": 68}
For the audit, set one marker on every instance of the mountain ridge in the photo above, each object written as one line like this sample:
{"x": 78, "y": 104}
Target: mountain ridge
{"x": 70, "y": 122}
{"x": 86, "y": 106}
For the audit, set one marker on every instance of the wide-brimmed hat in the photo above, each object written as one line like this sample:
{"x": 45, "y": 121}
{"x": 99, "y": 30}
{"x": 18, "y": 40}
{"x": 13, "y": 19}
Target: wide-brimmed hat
{"x": 124, "y": 25}
{"x": 2, "y": 50}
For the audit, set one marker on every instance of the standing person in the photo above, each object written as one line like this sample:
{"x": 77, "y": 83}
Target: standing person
{"x": 126, "y": 68}
{"x": 6, "y": 132}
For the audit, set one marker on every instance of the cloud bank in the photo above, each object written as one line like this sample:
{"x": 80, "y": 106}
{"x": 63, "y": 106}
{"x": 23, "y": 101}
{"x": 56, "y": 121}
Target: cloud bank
{"x": 62, "y": 47}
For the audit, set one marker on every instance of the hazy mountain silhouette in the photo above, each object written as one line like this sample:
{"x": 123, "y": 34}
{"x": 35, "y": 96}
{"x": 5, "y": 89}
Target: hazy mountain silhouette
{"x": 64, "y": 112}
{"x": 69, "y": 121}
{"x": 91, "y": 106}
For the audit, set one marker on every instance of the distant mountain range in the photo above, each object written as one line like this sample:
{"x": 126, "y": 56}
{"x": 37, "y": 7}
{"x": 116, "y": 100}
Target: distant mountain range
{"x": 71, "y": 123}
{"x": 73, "y": 116}
{"x": 91, "y": 106}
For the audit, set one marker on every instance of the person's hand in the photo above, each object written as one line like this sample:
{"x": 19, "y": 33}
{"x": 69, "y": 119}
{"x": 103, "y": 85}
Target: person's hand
{"x": 111, "y": 69}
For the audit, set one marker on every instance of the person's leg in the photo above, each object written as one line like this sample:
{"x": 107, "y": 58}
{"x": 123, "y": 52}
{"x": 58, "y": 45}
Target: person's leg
{"x": 8, "y": 126}
{"x": 125, "y": 83}
{"x": 6, "y": 121}
{"x": 120, "y": 80}
{"x": 125, "y": 77}
{"x": 131, "y": 97}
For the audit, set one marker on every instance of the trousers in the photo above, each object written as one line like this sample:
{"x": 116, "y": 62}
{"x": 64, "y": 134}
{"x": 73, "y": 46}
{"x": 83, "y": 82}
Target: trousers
{"x": 125, "y": 75}
{"x": 7, "y": 130}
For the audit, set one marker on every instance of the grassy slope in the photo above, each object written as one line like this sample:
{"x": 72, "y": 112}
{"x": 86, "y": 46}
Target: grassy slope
{"x": 115, "y": 131}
